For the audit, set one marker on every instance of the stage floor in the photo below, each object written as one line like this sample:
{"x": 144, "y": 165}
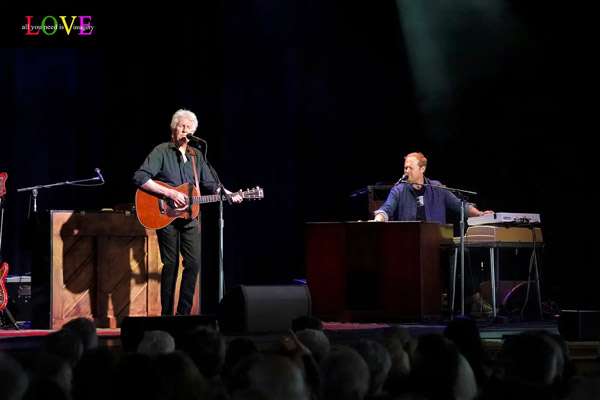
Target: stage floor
{"x": 489, "y": 331}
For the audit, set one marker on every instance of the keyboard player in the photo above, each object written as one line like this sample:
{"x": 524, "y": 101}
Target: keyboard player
{"x": 410, "y": 200}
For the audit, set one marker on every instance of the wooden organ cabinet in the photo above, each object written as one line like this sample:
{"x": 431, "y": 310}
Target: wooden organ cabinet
{"x": 365, "y": 272}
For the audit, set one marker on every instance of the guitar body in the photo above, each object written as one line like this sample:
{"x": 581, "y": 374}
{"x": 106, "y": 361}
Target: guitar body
{"x": 3, "y": 295}
{"x": 155, "y": 212}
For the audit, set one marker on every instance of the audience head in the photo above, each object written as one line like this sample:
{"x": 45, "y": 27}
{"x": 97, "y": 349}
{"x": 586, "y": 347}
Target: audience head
{"x": 400, "y": 335}
{"x": 465, "y": 335}
{"x": 345, "y": 375}
{"x": 378, "y": 361}
{"x": 65, "y": 344}
{"x": 463, "y": 332}
{"x": 565, "y": 365}
{"x": 400, "y": 364}
{"x": 316, "y": 341}
{"x": 531, "y": 357}
{"x": 86, "y": 329}
{"x": 206, "y": 347}
{"x": 181, "y": 379}
{"x": 156, "y": 342}
{"x": 438, "y": 370}
{"x": 279, "y": 378}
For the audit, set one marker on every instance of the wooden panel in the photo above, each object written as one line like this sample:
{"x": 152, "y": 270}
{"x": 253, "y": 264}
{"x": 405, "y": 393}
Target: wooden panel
{"x": 122, "y": 291}
{"x": 325, "y": 268}
{"x": 78, "y": 270}
{"x": 154, "y": 269}
{"x": 105, "y": 266}
{"x": 374, "y": 271}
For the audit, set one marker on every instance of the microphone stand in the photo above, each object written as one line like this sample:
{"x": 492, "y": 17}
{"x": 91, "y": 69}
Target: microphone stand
{"x": 222, "y": 195}
{"x": 461, "y": 194}
{"x": 221, "y": 220}
{"x": 34, "y": 189}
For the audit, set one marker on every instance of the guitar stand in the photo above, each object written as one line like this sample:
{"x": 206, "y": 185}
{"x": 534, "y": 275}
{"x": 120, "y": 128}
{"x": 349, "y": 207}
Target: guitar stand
{"x": 11, "y": 320}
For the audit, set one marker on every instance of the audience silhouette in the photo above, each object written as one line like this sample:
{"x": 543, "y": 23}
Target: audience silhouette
{"x": 300, "y": 365}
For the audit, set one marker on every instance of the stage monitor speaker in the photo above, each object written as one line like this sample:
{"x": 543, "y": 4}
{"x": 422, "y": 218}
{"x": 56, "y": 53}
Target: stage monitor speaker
{"x": 579, "y": 325}
{"x": 133, "y": 328}
{"x": 268, "y": 308}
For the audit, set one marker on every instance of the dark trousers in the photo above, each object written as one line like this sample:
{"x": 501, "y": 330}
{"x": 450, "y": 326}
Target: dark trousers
{"x": 173, "y": 239}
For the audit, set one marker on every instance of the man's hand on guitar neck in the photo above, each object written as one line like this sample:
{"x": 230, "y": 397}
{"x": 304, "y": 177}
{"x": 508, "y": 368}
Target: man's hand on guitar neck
{"x": 235, "y": 197}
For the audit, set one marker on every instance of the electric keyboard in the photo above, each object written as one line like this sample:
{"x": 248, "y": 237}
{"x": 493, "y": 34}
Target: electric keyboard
{"x": 505, "y": 218}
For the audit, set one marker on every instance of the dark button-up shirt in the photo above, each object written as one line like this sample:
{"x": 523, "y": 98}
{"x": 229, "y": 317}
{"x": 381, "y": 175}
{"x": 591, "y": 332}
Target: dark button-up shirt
{"x": 401, "y": 204}
{"x": 166, "y": 164}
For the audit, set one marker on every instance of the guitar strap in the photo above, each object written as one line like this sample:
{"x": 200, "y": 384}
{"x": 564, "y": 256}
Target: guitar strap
{"x": 193, "y": 154}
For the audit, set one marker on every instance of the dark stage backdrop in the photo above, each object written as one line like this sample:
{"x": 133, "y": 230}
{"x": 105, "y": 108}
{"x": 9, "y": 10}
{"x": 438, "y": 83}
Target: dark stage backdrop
{"x": 311, "y": 100}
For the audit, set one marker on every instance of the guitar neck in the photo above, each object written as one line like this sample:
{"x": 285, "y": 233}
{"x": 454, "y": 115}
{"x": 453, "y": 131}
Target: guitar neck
{"x": 210, "y": 198}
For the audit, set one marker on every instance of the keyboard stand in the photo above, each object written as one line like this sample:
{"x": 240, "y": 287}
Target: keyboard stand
{"x": 495, "y": 267}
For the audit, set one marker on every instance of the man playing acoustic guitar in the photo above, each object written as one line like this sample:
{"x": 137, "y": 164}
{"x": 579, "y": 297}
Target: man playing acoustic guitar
{"x": 172, "y": 173}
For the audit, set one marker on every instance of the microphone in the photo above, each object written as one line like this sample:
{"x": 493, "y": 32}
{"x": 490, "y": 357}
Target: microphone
{"x": 99, "y": 174}
{"x": 192, "y": 137}
{"x": 404, "y": 178}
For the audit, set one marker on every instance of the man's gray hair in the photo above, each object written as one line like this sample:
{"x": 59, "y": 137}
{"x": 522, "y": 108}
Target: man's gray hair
{"x": 186, "y": 114}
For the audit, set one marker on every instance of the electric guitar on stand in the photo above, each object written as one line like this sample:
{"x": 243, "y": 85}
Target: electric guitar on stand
{"x": 155, "y": 212}
{"x": 4, "y": 267}
{"x": 3, "y": 295}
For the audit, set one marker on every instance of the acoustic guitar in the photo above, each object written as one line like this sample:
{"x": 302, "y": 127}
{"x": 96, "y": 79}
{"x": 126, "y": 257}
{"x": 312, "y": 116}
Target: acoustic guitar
{"x": 155, "y": 212}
